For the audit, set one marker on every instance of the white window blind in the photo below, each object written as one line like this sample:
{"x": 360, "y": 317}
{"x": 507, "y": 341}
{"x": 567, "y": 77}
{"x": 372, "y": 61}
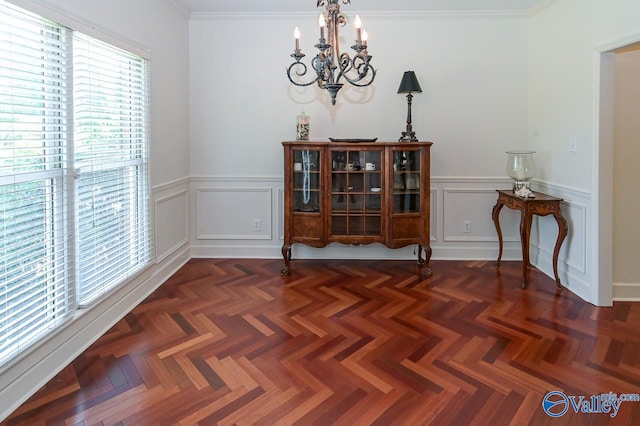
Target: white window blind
{"x": 111, "y": 164}
{"x": 34, "y": 255}
{"x": 74, "y": 174}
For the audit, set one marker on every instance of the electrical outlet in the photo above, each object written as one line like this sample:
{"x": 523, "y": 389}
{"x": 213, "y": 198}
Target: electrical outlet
{"x": 257, "y": 225}
{"x": 466, "y": 226}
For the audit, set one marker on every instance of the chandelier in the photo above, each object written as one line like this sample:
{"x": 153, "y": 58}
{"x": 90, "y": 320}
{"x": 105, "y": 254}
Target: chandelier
{"x": 329, "y": 64}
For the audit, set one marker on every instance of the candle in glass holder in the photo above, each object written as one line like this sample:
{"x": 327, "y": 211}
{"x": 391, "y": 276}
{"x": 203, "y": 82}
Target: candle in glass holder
{"x": 521, "y": 168}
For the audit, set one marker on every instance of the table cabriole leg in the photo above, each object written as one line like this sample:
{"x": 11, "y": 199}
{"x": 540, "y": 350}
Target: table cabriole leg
{"x": 496, "y": 220}
{"x": 562, "y": 233}
{"x": 525, "y": 236}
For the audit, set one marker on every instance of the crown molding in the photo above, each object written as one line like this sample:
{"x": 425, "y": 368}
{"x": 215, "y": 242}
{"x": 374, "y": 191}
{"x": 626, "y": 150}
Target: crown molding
{"x": 396, "y": 15}
{"x": 180, "y": 8}
{"x": 541, "y": 6}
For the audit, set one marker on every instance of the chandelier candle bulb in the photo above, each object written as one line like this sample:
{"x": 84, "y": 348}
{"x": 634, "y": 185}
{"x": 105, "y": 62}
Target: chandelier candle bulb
{"x": 321, "y": 22}
{"x": 296, "y": 35}
{"x": 358, "y": 25}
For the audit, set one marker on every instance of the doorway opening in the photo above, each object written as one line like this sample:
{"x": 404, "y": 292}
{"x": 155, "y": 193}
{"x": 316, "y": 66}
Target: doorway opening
{"x": 617, "y": 146}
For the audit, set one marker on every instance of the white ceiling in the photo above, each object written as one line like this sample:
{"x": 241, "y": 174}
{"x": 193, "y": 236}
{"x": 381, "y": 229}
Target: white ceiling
{"x": 227, "y": 6}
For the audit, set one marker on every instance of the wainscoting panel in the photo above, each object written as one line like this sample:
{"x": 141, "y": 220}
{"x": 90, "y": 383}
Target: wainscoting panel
{"x": 171, "y": 223}
{"x": 474, "y": 206}
{"x": 433, "y": 216}
{"x": 233, "y": 213}
{"x": 280, "y": 214}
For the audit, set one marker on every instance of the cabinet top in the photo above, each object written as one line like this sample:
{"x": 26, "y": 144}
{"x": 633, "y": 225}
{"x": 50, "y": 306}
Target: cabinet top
{"x": 357, "y": 144}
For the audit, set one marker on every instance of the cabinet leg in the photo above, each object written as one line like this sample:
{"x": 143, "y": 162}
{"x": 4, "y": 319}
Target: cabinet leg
{"x": 286, "y": 255}
{"x": 425, "y": 261}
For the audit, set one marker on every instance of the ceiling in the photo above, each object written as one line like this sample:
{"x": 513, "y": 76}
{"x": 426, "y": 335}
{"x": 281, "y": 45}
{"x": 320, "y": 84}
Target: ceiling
{"x": 249, "y": 6}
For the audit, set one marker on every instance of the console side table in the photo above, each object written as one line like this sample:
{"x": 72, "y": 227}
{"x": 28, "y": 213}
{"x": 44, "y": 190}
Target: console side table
{"x": 542, "y": 205}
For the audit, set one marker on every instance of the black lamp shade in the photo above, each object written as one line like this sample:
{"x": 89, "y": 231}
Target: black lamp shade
{"x": 409, "y": 83}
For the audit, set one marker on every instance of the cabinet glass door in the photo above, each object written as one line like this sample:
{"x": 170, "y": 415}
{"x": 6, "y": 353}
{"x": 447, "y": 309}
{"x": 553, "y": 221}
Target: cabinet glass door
{"x": 356, "y": 193}
{"x": 406, "y": 181}
{"x": 306, "y": 180}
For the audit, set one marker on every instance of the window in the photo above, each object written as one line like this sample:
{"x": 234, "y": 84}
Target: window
{"x": 74, "y": 171}
{"x": 111, "y": 165}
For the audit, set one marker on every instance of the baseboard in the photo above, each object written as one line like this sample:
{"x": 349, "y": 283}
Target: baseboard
{"x": 28, "y": 374}
{"x": 340, "y": 251}
{"x": 626, "y": 292}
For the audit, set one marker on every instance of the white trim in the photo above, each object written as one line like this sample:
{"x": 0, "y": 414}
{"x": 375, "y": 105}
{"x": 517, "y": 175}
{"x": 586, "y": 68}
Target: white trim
{"x": 553, "y": 188}
{"x": 626, "y": 292}
{"x": 611, "y": 46}
{"x": 171, "y": 185}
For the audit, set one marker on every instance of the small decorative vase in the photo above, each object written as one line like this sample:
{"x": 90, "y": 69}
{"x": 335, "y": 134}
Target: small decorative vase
{"x": 521, "y": 168}
{"x": 302, "y": 128}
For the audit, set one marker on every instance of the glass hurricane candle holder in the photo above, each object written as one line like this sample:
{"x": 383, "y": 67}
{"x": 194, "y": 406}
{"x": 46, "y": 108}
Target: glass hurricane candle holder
{"x": 521, "y": 168}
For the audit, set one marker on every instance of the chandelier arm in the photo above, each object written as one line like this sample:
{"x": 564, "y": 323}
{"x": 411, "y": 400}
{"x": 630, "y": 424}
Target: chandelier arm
{"x": 355, "y": 82}
{"x": 359, "y": 63}
{"x": 346, "y": 64}
{"x": 299, "y": 74}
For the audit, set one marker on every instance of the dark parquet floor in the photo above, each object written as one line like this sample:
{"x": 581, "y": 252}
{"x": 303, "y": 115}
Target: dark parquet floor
{"x": 231, "y": 342}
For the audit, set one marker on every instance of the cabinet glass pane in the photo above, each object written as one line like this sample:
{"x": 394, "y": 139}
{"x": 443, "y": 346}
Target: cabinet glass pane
{"x": 339, "y": 225}
{"x": 373, "y": 226}
{"x": 339, "y": 160}
{"x": 356, "y": 192}
{"x": 304, "y": 201}
{"x": 373, "y": 203}
{"x": 306, "y": 156}
{"x": 406, "y": 182}
{"x": 306, "y": 180}
{"x": 356, "y": 225}
{"x": 406, "y": 202}
{"x": 355, "y": 181}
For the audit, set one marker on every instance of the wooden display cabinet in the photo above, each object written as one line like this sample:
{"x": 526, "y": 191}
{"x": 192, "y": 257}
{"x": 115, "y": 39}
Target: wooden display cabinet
{"x": 357, "y": 193}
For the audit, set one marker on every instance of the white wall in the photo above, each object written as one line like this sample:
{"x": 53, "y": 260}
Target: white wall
{"x": 566, "y": 38}
{"x": 473, "y": 71}
{"x": 159, "y": 29}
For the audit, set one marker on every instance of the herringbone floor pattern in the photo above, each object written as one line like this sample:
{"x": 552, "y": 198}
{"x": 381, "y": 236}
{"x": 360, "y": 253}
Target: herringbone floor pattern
{"x": 231, "y": 342}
